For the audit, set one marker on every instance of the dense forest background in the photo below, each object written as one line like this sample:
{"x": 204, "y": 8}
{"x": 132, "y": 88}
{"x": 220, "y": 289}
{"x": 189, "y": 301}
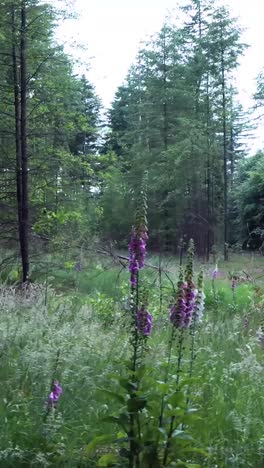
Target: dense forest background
{"x": 70, "y": 170}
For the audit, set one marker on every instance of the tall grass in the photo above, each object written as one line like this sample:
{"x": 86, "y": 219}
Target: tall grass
{"x": 39, "y": 343}
{"x": 76, "y": 333}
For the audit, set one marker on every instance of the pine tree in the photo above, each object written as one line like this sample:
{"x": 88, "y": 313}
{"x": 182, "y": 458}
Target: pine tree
{"x": 48, "y": 127}
{"x": 177, "y": 116}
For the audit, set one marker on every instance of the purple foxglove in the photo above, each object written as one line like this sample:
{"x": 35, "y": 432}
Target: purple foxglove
{"x": 144, "y": 321}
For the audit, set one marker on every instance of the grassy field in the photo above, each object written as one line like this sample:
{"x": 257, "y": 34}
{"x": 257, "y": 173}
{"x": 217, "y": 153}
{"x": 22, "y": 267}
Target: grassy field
{"x": 71, "y": 326}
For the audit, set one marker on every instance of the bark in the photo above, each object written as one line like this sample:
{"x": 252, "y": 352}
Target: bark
{"x": 24, "y": 240}
{"x": 208, "y": 184}
{"x": 17, "y": 124}
{"x": 165, "y": 135}
{"x": 224, "y": 153}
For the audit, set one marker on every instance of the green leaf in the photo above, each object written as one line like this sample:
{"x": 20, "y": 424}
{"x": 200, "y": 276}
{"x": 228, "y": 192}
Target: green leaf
{"x": 113, "y": 395}
{"x": 163, "y": 387}
{"x": 181, "y": 435}
{"x": 99, "y": 440}
{"x": 136, "y": 404}
{"x": 199, "y": 451}
{"x": 193, "y": 465}
{"x": 140, "y": 372}
{"x": 177, "y": 412}
{"x": 181, "y": 464}
{"x": 107, "y": 460}
{"x": 128, "y": 385}
{"x": 162, "y": 430}
{"x": 124, "y": 382}
{"x": 121, "y": 419}
{"x": 177, "y": 399}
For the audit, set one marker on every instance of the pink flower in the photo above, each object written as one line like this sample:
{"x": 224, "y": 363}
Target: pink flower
{"x": 181, "y": 313}
{"x": 144, "y": 321}
{"x": 55, "y": 394}
{"x": 137, "y": 249}
{"x": 215, "y": 273}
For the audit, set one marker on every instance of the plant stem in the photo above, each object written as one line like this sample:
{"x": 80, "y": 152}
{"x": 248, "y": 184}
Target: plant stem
{"x": 192, "y": 334}
{"x": 133, "y": 455}
{"x": 166, "y": 376}
{"x": 171, "y": 429}
{"x": 160, "y": 287}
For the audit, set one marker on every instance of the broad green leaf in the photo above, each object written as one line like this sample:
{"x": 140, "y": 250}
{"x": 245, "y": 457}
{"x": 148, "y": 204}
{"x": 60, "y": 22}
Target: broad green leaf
{"x": 99, "y": 440}
{"x": 136, "y": 404}
{"x": 107, "y": 460}
{"x": 112, "y": 394}
{"x": 163, "y": 387}
{"x": 181, "y": 435}
{"x": 177, "y": 399}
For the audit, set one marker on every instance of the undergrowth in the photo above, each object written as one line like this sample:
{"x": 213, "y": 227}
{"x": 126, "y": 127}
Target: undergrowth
{"x": 80, "y": 338}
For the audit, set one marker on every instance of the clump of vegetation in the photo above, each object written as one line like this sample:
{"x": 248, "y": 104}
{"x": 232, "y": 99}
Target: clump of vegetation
{"x": 48, "y": 336}
{"x": 167, "y": 375}
{"x": 109, "y": 357}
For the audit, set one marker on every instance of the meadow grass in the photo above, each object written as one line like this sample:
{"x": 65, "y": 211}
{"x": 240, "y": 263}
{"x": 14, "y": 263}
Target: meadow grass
{"x": 77, "y": 334}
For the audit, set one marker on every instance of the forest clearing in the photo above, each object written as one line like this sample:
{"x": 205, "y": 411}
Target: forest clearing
{"x": 79, "y": 335}
{"x": 131, "y": 249}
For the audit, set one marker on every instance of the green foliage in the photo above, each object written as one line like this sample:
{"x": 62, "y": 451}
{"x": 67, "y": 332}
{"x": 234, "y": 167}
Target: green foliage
{"x": 81, "y": 339}
{"x": 248, "y": 203}
{"x": 66, "y": 173}
{"x": 177, "y": 116}
{"x": 174, "y": 399}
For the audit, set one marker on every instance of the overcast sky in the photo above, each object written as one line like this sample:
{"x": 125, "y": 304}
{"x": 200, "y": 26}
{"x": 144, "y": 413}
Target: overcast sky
{"x": 111, "y": 31}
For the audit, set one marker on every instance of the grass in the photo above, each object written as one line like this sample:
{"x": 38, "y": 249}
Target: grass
{"x": 72, "y": 327}
{"x": 39, "y": 343}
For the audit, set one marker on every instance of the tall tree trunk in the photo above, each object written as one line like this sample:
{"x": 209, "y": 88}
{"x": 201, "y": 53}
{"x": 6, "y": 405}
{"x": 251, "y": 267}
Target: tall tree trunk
{"x": 200, "y": 70}
{"x": 165, "y": 136}
{"x": 208, "y": 172}
{"x": 165, "y": 110}
{"x": 24, "y": 239}
{"x": 17, "y": 125}
{"x": 224, "y": 129}
{"x": 231, "y": 144}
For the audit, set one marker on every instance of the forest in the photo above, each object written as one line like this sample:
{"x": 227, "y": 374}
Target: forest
{"x": 131, "y": 249}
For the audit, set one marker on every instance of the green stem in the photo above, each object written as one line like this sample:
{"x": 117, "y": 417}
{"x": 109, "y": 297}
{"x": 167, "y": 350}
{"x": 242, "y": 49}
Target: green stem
{"x": 160, "y": 287}
{"x": 171, "y": 429}
{"x": 166, "y": 377}
{"x": 192, "y": 333}
{"x": 133, "y": 453}
{"x": 213, "y": 289}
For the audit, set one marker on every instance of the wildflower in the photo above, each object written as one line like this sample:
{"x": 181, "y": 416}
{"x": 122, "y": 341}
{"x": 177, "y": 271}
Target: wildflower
{"x": 144, "y": 321}
{"x": 137, "y": 249}
{"x": 178, "y": 313}
{"x": 55, "y": 394}
{"x": 260, "y": 336}
{"x": 182, "y": 311}
{"x": 199, "y": 302}
{"x": 215, "y": 272}
{"x": 233, "y": 284}
{"x": 178, "y": 310}
{"x": 190, "y": 290}
{"x": 190, "y": 295}
{"x": 246, "y": 322}
{"x": 139, "y": 236}
{"x": 199, "y": 306}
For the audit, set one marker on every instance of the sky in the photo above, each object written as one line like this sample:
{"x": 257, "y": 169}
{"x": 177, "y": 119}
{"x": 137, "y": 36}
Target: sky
{"x": 110, "y": 32}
